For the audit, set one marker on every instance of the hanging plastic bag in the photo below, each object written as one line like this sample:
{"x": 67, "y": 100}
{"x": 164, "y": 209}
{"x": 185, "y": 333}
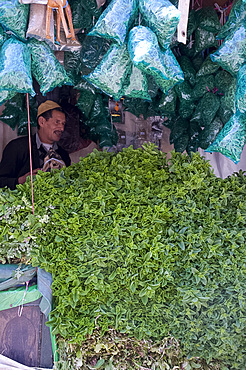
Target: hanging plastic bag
{"x": 162, "y": 17}
{"x": 188, "y": 69}
{"x": 3, "y": 36}
{"x": 208, "y": 19}
{"x": 83, "y": 14}
{"x": 138, "y": 85}
{"x": 240, "y": 97}
{"x": 167, "y": 103}
{"x": 116, "y": 20}
{"x": 197, "y": 62}
{"x": 72, "y": 65}
{"x": 179, "y": 128}
{"x": 231, "y": 54}
{"x": 227, "y": 103}
{"x": 14, "y": 17}
{"x": 208, "y": 135}
{"x": 46, "y": 69}
{"x": 93, "y": 50}
{"x": 208, "y": 67}
{"x": 87, "y": 96}
{"x": 6, "y": 95}
{"x": 184, "y": 91}
{"x": 186, "y": 109}
{"x": 236, "y": 16}
{"x": 231, "y": 139}
{"x": 110, "y": 75}
{"x": 204, "y": 40}
{"x": 223, "y": 81}
{"x": 15, "y": 67}
{"x": 206, "y": 109}
{"x": 202, "y": 86}
{"x": 37, "y": 24}
{"x": 146, "y": 54}
{"x": 192, "y": 23}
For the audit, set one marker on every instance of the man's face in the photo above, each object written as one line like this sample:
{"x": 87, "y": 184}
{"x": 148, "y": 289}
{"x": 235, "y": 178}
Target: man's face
{"x": 52, "y": 129}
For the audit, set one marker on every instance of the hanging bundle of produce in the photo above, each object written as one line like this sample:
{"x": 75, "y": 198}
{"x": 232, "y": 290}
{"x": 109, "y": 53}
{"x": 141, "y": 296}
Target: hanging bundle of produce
{"x": 232, "y": 53}
{"x": 84, "y": 12}
{"x": 6, "y": 95}
{"x": 232, "y": 138}
{"x": 111, "y": 73}
{"x": 146, "y": 55}
{"x": 116, "y": 20}
{"x": 240, "y": 97}
{"x": 15, "y": 113}
{"x": 138, "y": 85}
{"x": 14, "y": 17}
{"x": 236, "y": 16}
{"x": 15, "y": 67}
{"x": 87, "y": 97}
{"x": 46, "y": 69}
{"x": 162, "y": 17}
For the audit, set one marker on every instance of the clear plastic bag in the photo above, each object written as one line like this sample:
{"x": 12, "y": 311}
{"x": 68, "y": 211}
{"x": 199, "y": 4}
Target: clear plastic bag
{"x": 208, "y": 67}
{"x": 138, "y": 85}
{"x": 232, "y": 53}
{"x": 208, "y": 135}
{"x": 87, "y": 96}
{"x": 146, "y": 54}
{"x": 232, "y": 138}
{"x": 6, "y": 95}
{"x": 188, "y": 69}
{"x": 167, "y": 103}
{"x": 110, "y": 75}
{"x": 223, "y": 81}
{"x": 116, "y": 20}
{"x": 204, "y": 40}
{"x": 162, "y": 17}
{"x": 236, "y": 16}
{"x": 186, "y": 108}
{"x": 3, "y": 36}
{"x": 46, "y": 69}
{"x": 14, "y": 17}
{"x": 206, "y": 109}
{"x": 208, "y": 19}
{"x": 15, "y": 67}
{"x": 202, "y": 86}
{"x": 240, "y": 97}
{"x": 93, "y": 50}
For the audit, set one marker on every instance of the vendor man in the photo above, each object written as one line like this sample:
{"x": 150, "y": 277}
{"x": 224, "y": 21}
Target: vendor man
{"x": 15, "y": 164}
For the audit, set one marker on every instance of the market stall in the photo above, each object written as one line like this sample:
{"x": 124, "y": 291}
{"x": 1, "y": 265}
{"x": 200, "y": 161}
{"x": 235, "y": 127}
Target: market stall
{"x": 143, "y": 240}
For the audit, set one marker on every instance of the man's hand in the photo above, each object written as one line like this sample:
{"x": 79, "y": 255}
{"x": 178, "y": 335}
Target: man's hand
{"x": 22, "y": 179}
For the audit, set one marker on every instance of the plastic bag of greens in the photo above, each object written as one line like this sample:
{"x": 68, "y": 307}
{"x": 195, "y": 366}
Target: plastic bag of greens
{"x": 240, "y": 97}
{"x": 188, "y": 69}
{"x": 167, "y": 103}
{"x": 223, "y": 81}
{"x": 72, "y": 65}
{"x": 184, "y": 91}
{"x": 181, "y": 143}
{"x": 236, "y": 16}
{"x": 162, "y": 17}
{"x": 46, "y": 69}
{"x": 137, "y": 107}
{"x": 179, "y": 128}
{"x": 6, "y": 95}
{"x": 206, "y": 109}
{"x": 186, "y": 109}
{"x": 208, "y": 67}
{"x": 153, "y": 88}
{"x": 227, "y": 103}
{"x": 208, "y": 19}
{"x": 116, "y": 20}
{"x": 87, "y": 97}
{"x": 146, "y": 54}
{"x": 12, "y": 110}
{"x": 232, "y": 53}
{"x": 3, "y": 36}
{"x": 231, "y": 139}
{"x": 202, "y": 86}
{"x": 197, "y": 62}
{"x": 204, "y": 40}
{"x": 208, "y": 135}
{"x": 14, "y": 17}
{"x": 83, "y": 13}
{"x": 15, "y": 67}
{"x": 192, "y": 23}
{"x": 138, "y": 85}
{"x": 110, "y": 75}
{"x": 93, "y": 50}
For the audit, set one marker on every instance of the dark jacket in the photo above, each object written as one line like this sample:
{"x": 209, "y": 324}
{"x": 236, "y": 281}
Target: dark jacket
{"x": 15, "y": 160}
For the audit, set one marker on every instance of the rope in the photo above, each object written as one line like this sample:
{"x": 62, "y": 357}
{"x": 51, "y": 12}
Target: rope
{"x": 30, "y": 146}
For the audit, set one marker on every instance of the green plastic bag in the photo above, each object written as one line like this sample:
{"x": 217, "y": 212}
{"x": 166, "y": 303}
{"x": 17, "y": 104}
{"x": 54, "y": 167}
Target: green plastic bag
{"x": 162, "y": 17}
{"x": 208, "y": 19}
{"x": 236, "y": 16}
{"x": 167, "y": 103}
{"x": 116, "y": 20}
{"x": 46, "y": 69}
{"x": 111, "y": 74}
{"x": 184, "y": 91}
{"x": 208, "y": 67}
{"x": 93, "y": 50}
{"x": 204, "y": 40}
{"x": 15, "y": 67}
{"x": 208, "y": 135}
{"x": 180, "y": 144}
{"x": 232, "y": 138}
{"x": 197, "y": 62}
{"x": 6, "y": 95}
{"x": 188, "y": 69}
{"x": 138, "y": 85}
{"x": 202, "y": 86}
{"x": 14, "y": 17}
{"x": 3, "y": 36}
{"x": 87, "y": 96}
{"x": 192, "y": 23}
{"x": 223, "y": 81}
{"x": 137, "y": 107}
{"x": 72, "y": 65}
{"x": 206, "y": 109}
{"x": 231, "y": 54}
{"x": 186, "y": 108}
{"x": 179, "y": 128}
{"x": 83, "y": 13}
{"x": 240, "y": 97}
